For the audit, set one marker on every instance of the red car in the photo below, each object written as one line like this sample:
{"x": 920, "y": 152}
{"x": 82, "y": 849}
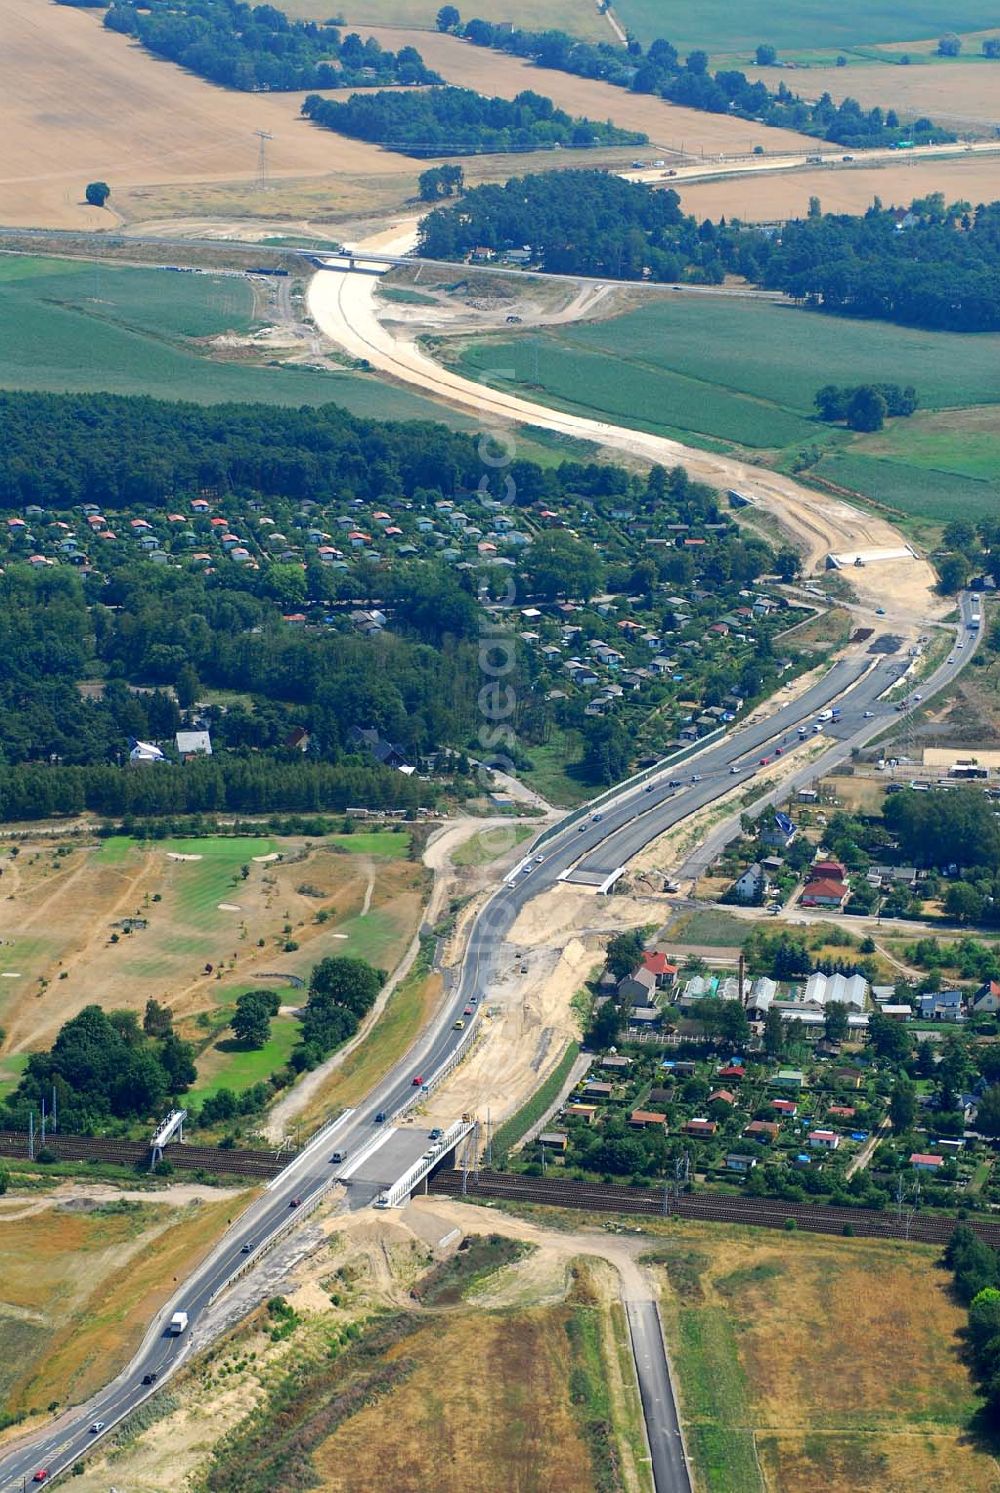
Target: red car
{"x": 418, "y": 1081}
{"x": 41, "y": 1476}
{"x": 764, "y": 761}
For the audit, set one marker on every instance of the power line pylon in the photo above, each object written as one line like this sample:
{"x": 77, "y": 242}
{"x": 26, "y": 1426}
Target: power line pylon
{"x": 263, "y": 137}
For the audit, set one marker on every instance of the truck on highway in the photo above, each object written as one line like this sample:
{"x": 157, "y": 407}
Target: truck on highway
{"x": 835, "y": 713}
{"x": 825, "y": 715}
{"x": 178, "y": 1323}
{"x": 975, "y": 614}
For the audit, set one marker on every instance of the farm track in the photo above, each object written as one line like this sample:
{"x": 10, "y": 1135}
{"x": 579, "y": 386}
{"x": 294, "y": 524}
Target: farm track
{"x": 761, "y": 1212}
{"x": 183, "y": 1158}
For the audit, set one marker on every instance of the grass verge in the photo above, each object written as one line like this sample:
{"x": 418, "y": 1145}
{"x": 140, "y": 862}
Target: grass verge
{"x": 512, "y": 1130}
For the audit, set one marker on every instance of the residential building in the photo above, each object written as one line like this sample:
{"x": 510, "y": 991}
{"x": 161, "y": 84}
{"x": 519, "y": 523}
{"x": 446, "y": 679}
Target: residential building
{"x": 763, "y": 1131}
{"x": 736, "y": 1162}
{"x": 986, "y": 1001}
{"x": 788, "y": 1078}
{"x": 642, "y": 1119}
{"x": 921, "y": 1162}
{"x": 700, "y": 1126}
{"x": 194, "y": 744}
{"x": 639, "y": 988}
{"x": 942, "y": 1005}
{"x": 752, "y": 885}
{"x": 554, "y": 1140}
{"x": 823, "y": 891}
{"x": 824, "y": 1140}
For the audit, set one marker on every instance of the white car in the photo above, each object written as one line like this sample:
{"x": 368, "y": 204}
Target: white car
{"x": 539, "y": 859}
{"x": 916, "y": 698}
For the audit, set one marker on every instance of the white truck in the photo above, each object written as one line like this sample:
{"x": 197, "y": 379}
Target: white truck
{"x": 178, "y": 1323}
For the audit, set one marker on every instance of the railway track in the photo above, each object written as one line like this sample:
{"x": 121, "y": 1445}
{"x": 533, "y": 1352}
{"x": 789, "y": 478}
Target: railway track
{"x": 766, "y": 1213}
{"x": 133, "y": 1154}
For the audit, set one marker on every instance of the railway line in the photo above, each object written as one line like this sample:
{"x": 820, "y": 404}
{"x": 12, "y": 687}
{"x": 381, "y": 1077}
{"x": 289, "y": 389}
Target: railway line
{"x": 769, "y": 1213}
{"x": 133, "y": 1154}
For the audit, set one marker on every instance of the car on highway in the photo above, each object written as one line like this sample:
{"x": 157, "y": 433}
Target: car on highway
{"x": 295, "y": 1203}
{"x": 380, "y": 1117}
{"x": 648, "y": 788}
{"x": 869, "y": 715}
{"x": 580, "y": 828}
{"x": 764, "y": 761}
{"x": 151, "y": 1377}
{"x": 597, "y": 818}
{"x": 418, "y": 1081}
{"x": 952, "y": 659}
{"x": 41, "y": 1476}
{"x": 539, "y": 859}
{"x": 467, "y": 1010}
{"x": 458, "y": 1025}
{"x": 96, "y": 1427}
{"x": 959, "y": 645}
{"x": 916, "y": 698}
{"x": 779, "y": 752}
{"x": 733, "y": 771}
{"x": 473, "y": 998}
{"x": 246, "y": 1248}
{"x": 696, "y": 777}
{"x": 528, "y": 870}
{"x": 674, "y": 783}
{"x": 435, "y": 1134}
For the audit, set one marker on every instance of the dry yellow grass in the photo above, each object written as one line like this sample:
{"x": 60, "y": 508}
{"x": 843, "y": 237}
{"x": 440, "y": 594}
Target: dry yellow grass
{"x": 767, "y": 196}
{"x": 486, "y": 1407}
{"x": 668, "y": 126}
{"x": 846, "y": 1355}
{"x": 967, "y": 92}
{"x": 58, "y": 922}
{"x": 88, "y": 1284}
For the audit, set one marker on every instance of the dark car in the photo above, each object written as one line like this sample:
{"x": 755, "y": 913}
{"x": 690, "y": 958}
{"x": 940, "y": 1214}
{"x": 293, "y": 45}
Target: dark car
{"x": 295, "y": 1203}
{"x": 150, "y": 1378}
{"x": 380, "y": 1117}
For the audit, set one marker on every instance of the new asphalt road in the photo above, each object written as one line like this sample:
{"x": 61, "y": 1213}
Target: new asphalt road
{"x": 608, "y": 837}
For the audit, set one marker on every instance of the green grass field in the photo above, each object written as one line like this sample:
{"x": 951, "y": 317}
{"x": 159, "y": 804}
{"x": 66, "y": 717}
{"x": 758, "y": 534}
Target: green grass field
{"x": 384, "y": 842}
{"x": 227, "y": 1066}
{"x": 380, "y": 936}
{"x": 11, "y": 1068}
{"x": 721, "y": 27}
{"x": 725, "y": 374}
{"x": 201, "y": 885}
{"x": 74, "y": 327}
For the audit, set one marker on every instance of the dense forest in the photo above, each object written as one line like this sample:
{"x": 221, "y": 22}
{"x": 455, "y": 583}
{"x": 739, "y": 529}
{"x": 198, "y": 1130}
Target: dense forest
{"x": 935, "y": 265}
{"x": 457, "y": 121}
{"x": 660, "y": 70}
{"x": 583, "y": 223}
{"x": 258, "y": 49}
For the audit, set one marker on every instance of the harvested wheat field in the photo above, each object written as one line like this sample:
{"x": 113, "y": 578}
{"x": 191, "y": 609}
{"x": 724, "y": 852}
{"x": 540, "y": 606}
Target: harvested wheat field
{"x": 196, "y": 931}
{"x": 767, "y": 196}
{"x": 669, "y": 127}
{"x": 819, "y": 1365}
{"x": 79, "y": 103}
{"x": 963, "y": 92}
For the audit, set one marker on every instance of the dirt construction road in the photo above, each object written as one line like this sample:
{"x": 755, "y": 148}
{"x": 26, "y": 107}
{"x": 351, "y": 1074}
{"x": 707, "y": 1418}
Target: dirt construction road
{"x": 343, "y": 306}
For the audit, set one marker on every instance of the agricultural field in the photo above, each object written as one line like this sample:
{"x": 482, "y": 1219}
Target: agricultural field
{"x": 367, "y": 15}
{"x": 723, "y": 29}
{"x": 772, "y": 196}
{"x": 210, "y": 931}
{"x": 962, "y": 90}
{"x": 729, "y": 374}
{"x": 669, "y": 126}
{"x": 76, "y": 327}
{"x": 81, "y": 1279}
{"x": 823, "y": 1365}
{"x": 79, "y": 103}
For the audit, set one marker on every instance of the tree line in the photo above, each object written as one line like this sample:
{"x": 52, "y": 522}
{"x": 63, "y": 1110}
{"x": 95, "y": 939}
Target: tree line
{"x": 258, "y": 49}
{"x": 660, "y": 70}
{"x": 937, "y": 266}
{"x": 933, "y": 265}
{"x": 457, "y": 121}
